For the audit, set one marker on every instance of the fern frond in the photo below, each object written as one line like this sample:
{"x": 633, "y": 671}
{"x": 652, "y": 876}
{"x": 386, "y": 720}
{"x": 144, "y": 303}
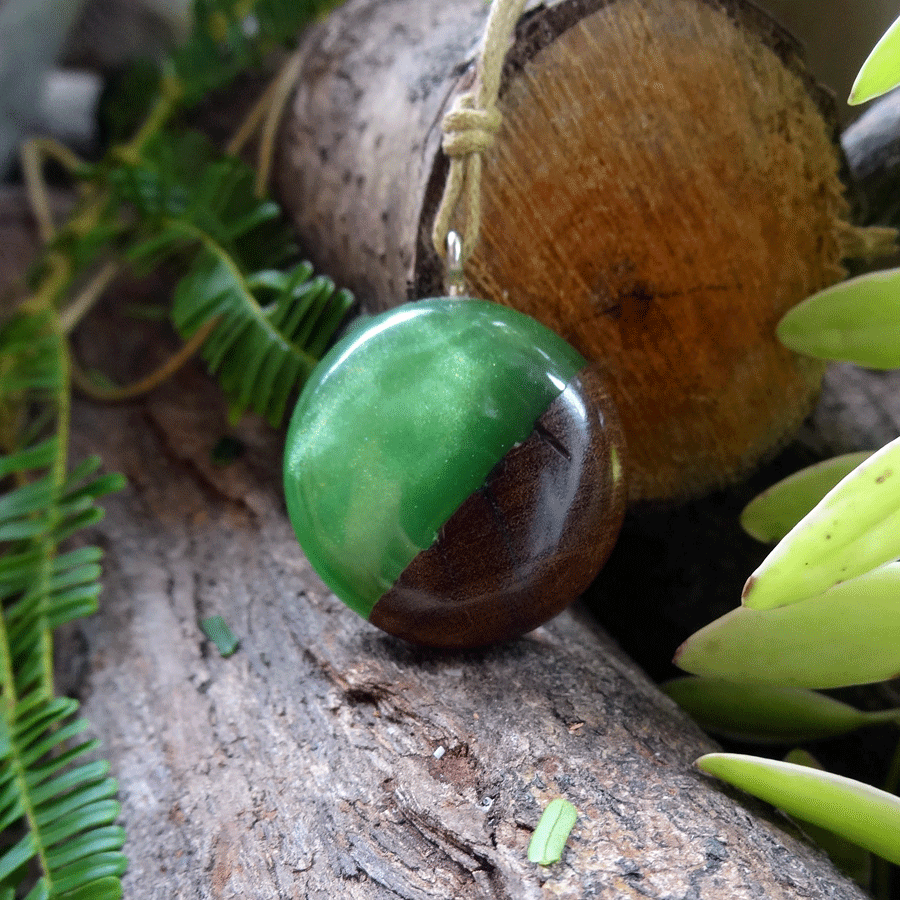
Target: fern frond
{"x": 264, "y": 345}
{"x": 49, "y": 797}
{"x": 66, "y": 811}
{"x": 273, "y": 326}
{"x": 230, "y": 36}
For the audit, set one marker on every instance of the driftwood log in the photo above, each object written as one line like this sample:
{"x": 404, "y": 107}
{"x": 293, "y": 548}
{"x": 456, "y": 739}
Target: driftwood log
{"x": 325, "y": 759}
{"x": 664, "y": 185}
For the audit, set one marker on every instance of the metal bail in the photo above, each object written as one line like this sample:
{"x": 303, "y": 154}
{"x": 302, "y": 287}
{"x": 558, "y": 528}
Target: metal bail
{"x": 456, "y": 279}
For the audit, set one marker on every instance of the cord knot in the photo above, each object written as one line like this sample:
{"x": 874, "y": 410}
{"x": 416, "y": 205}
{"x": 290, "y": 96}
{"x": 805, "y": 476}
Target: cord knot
{"x": 468, "y": 129}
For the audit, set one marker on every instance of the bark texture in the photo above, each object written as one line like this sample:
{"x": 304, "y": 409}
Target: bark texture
{"x": 325, "y": 759}
{"x": 663, "y": 188}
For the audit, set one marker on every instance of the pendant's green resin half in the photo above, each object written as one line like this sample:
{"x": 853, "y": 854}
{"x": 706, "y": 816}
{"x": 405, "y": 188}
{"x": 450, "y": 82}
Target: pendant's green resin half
{"x": 400, "y": 422}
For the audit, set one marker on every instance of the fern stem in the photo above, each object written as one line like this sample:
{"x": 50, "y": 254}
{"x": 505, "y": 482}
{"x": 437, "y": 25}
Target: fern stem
{"x": 164, "y": 108}
{"x": 34, "y": 153}
{"x": 191, "y": 231}
{"x": 87, "y": 299}
{"x": 281, "y": 93}
{"x": 250, "y": 125}
{"x": 149, "y": 382}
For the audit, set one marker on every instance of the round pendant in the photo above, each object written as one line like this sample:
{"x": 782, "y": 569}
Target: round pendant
{"x": 454, "y": 472}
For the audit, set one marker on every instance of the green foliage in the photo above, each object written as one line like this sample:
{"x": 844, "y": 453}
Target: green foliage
{"x": 852, "y": 530}
{"x": 217, "y": 630}
{"x": 549, "y": 839}
{"x": 862, "y": 814}
{"x": 159, "y": 195}
{"x": 881, "y": 71}
{"x": 854, "y": 321}
{"x": 231, "y": 36}
{"x": 59, "y": 806}
{"x": 774, "y": 512}
{"x": 769, "y": 714}
{"x": 273, "y": 325}
{"x": 821, "y": 611}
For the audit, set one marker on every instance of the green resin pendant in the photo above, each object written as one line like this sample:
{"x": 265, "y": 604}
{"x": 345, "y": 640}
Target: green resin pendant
{"x": 411, "y": 417}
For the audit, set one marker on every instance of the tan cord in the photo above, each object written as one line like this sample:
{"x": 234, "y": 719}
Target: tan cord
{"x": 265, "y": 119}
{"x": 34, "y": 153}
{"x": 866, "y": 243}
{"x": 146, "y": 384}
{"x": 470, "y": 128}
{"x": 87, "y": 299}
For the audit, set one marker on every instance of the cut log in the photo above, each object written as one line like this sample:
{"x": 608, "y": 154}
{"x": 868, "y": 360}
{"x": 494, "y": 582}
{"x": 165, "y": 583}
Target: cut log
{"x": 663, "y": 187}
{"x": 325, "y": 759}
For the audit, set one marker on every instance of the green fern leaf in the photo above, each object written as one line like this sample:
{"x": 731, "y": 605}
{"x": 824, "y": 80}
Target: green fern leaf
{"x": 49, "y": 795}
{"x": 273, "y": 326}
{"x": 263, "y": 347}
{"x": 230, "y": 36}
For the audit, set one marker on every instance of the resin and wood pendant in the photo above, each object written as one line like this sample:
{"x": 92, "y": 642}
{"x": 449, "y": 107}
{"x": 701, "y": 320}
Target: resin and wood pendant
{"x": 455, "y": 472}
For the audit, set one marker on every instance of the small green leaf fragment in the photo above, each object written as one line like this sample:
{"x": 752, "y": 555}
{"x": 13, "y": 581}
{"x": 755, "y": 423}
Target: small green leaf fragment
{"x": 217, "y": 630}
{"x": 847, "y": 635}
{"x": 850, "y": 809}
{"x": 852, "y": 530}
{"x": 768, "y": 713}
{"x": 552, "y": 832}
{"x": 881, "y": 70}
{"x": 774, "y": 512}
{"x": 853, "y": 321}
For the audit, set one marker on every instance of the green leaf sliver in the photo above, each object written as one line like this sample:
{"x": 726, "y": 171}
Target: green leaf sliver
{"x": 768, "y": 713}
{"x": 847, "y": 635}
{"x": 552, "y": 832}
{"x": 881, "y": 70}
{"x": 860, "y": 813}
{"x": 854, "y": 529}
{"x": 854, "y": 321}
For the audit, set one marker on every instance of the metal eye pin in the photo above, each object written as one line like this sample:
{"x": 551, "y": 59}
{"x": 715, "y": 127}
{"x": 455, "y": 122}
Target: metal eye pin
{"x": 455, "y": 279}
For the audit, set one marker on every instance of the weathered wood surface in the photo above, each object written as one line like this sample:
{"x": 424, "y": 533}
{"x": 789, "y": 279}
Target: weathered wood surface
{"x": 308, "y": 765}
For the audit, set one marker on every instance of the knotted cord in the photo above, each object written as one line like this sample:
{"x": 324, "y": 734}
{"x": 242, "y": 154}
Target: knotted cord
{"x": 470, "y": 128}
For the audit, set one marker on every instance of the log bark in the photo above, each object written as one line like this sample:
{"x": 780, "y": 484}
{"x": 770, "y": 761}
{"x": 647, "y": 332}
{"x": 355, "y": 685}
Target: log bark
{"x": 664, "y": 186}
{"x": 326, "y": 759}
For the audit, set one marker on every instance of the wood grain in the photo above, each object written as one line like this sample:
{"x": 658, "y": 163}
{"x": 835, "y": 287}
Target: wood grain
{"x": 527, "y": 543}
{"x": 664, "y": 187}
{"x": 305, "y": 765}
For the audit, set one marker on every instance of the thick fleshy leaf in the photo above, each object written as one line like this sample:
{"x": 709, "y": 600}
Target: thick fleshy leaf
{"x": 850, "y": 858}
{"x": 881, "y": 71}
{"x": 853, "y": 321}
{"x": 768, "y": 713}
{"x": 848, "y": 635}
{"x": 854, "y": 529}
{"x": 774, "y": 512}
{"x": 855, "y": 811}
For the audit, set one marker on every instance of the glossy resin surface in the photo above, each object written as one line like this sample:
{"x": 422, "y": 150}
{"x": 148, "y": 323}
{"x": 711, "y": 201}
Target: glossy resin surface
{"x": 529, "y": 540}
{"x": 401, "y": 422}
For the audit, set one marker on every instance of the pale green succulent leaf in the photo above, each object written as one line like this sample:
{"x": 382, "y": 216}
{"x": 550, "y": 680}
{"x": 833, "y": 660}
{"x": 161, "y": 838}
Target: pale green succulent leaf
{"x": 881, "y": 70}
{"x": 853, "y": 321}
{"x": 854, "y": 529}
{"x": 850, "y": 858}
{"x": 774, "y": 512}
{"x": 848, "y": 635}
{"x": 768, "y": 713}
{"x": 853, "y": 810}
